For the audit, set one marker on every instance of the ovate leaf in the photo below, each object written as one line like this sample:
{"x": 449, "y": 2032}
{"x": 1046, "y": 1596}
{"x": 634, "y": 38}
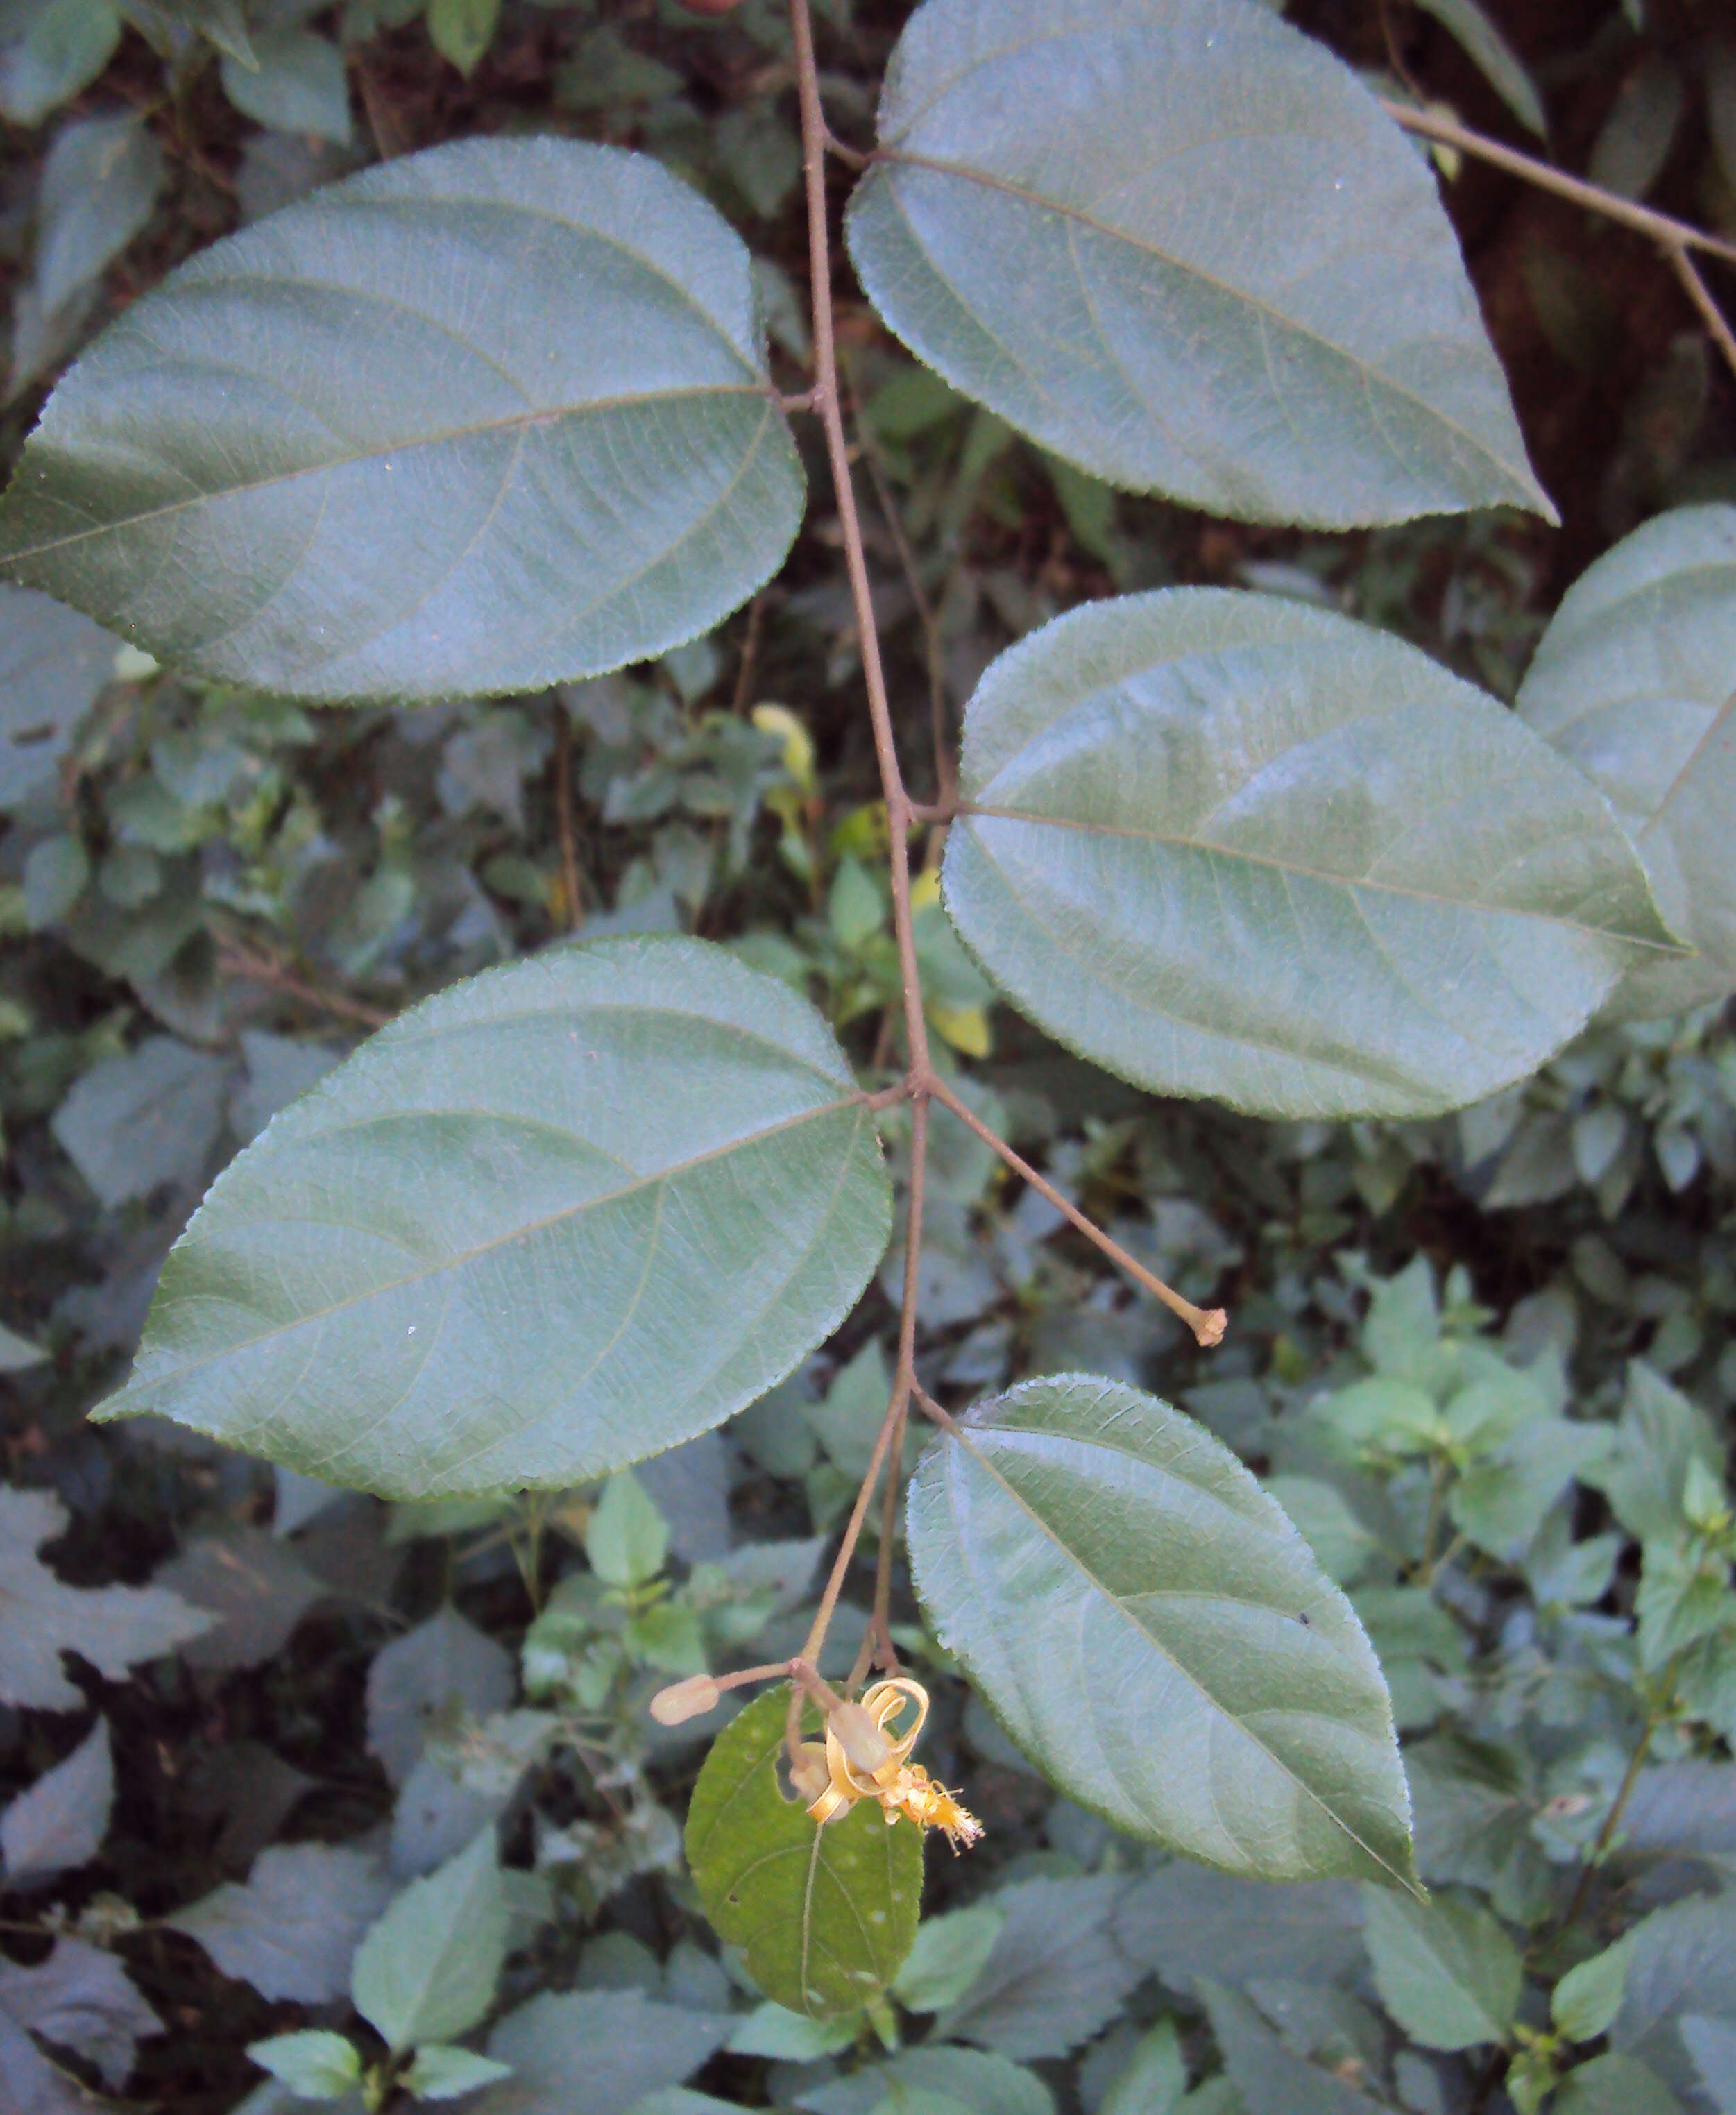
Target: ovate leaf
{"x": 52, "y": 664}
{"x": 1182, "y": 247}
{"x": 1271, "y": 2077}
{"x": 595, "y": 2052}
{"x": 293, "y": 81}
{"x": 49, "y": 49}
{"x": 476, "y": 420}
{"x": 1467, "y": 22}
{"x": 1154, "y": 1634}
{"x": 315, "y": 2065}
{"x": 114, "y": 1627}
{"x": 98, "y": 187}
{"x": 79, "y": 1998}
{"x": 1445, "y": 1970}
{"x": 427, "y": 1677}
{"x": 426, "y": 1972}
{"x": 62, "y": 1819}
{"x": 1229, "y": 845}
{"x": 443, "y": 2071}
{"x": 552, "y": 1221}
{"x": 293, "y": 1930}
{"x": 823, "y": 1917}
{"x": 1635, "y": 680}
{"x": 1055, "y": 1975}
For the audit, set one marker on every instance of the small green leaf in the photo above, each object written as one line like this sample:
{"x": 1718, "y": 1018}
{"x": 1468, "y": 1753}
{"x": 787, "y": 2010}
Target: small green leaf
{"x": 1201, "y": 261}
{"x": 1635, "y": 681}
{"x": 823, "y": 1917}
{"x": 427, "y": 1970}
{"x": 1615, "y": 2085}
{"x": 1229, "y": 845}
{"x": 626, "y": 1538}
{"x": 52, "y": 664}
{"x": 1445, "y": 1970}
{"x": 1155, "y": 2078}
{"x": 99, "y": 185}
{"x": 774, "y": 2031}
{"x": 295, "y": 82}
{"x": 1154, "y": 1634}
{"x": 49, "y": 51}
{"x": 441, "y": 2072}
{"x": 556, "y": 1219}
{"x": 950, "y": 1954}
{"x": 1494, "y": 57}
{"x": 313, "y": 2065}
{"x": 1587, "y": 1998}
{"x": 462, "y": 30}
{"x": 477, "y": 420}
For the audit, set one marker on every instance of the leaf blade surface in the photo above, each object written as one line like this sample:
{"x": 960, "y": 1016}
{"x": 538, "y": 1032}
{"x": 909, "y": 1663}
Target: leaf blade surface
{"x": 479, "y": 420}
{"x": 556, "y": 1219}
{"x": 1161, "y": 237}
{"x": 1225, "y": 844}
{"x": 1156, "y": 1637}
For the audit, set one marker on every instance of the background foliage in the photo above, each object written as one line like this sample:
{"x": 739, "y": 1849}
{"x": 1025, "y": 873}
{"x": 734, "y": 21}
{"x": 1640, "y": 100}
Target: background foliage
{"x": 1485, "y": 1360}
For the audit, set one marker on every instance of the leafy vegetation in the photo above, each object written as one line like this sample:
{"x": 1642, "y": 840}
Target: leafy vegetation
{"x": 516, "y": 1088}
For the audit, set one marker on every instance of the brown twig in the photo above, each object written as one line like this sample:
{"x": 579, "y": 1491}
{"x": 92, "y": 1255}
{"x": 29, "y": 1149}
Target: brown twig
{"x": 1710, "y": 314}
{"x": 572, "y": 895}
{"x": 744, "y": 672}
{"x": 1208, "y": 1324}
{"x": 235, "y": 959}
{"x": 1667, "y": 232}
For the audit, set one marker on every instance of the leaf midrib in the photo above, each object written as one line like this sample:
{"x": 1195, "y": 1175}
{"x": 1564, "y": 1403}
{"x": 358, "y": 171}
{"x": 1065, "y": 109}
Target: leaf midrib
{"x": 1366, "y": 372}
{"x": 960, "y": 1434}
{"x": 112, "y": 1408}
{"x": 517, "y": 422}
{"x": 1179, "y": 842}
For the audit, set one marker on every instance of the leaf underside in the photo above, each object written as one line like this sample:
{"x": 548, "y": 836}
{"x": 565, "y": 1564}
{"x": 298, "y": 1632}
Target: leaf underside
{"x": 824, "y": 1917}
{"x": 554, "y": 1220}
{"x": 1154, "y": 1634}
{"x": 1225, "y": 844}
{"x": 479, "y": 419}
{"x": 1181, "y": 246}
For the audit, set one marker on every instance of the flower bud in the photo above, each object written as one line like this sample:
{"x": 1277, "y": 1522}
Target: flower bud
{"x": 685, "y": 1699}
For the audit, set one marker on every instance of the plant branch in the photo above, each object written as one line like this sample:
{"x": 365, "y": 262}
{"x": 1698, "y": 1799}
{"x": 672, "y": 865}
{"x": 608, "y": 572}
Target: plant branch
{"x": 1605, "y": 1835}
{"x": 827, "y": 402}
{"x": 235, "y": 958}
{"x": 566, "y": 836}
{"x": 1710, "y": 314}
{"x": 1208, "y": 1324}
{"x": 1669, "y": 233}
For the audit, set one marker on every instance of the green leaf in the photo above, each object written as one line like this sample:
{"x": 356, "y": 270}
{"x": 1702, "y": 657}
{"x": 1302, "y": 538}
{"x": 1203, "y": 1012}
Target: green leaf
{"x": 60, "y": 1820}
{"x": 223, "y": 22}
{"x": 596, "y": 2053}
{"x": 144, "y": 1118}
{"x": 823, "y": 1917}
{"x": 296, "y": 83}
{"x": 1181, "y": 246}
{"x": 478, "y": 419}
{"x": 1272, "y": 2078}
{"x": 441, "y": 2072}
{"x": 1445, "y": 1970}
{"x": 462, "y": 30}
{"x": 975, "y": 2081}
{"x": 50, "y": 49}
{"x": 950, "y": 1954}
{"x": 557, "y": 1219}
{"x": 1055, "y": 1974}
{"x": 1226, "y": 844}
{"x": 427, "y": 1970}
{"x": 774, "y": 2031}
{"x": 1712, "y": 2045}
{"x": 114, "y": 1627}
{"x": 1587, "y": 1998}
{"x": 293, "y": 1930}
{"x": 1155, "y": 2077}
{"x": 1628, "y": 154}
{"x": 626, "y": 1538}
{"x": 99, "y": 185}
{"x": 314, "y": 2065}
{"x": 1493, "y": 56}
{"x": 1154, "y": 1634}
{"x": 1634, "y": 681}
{"x": 1613, "y": 2085}
{"x": 52, "y": 664}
